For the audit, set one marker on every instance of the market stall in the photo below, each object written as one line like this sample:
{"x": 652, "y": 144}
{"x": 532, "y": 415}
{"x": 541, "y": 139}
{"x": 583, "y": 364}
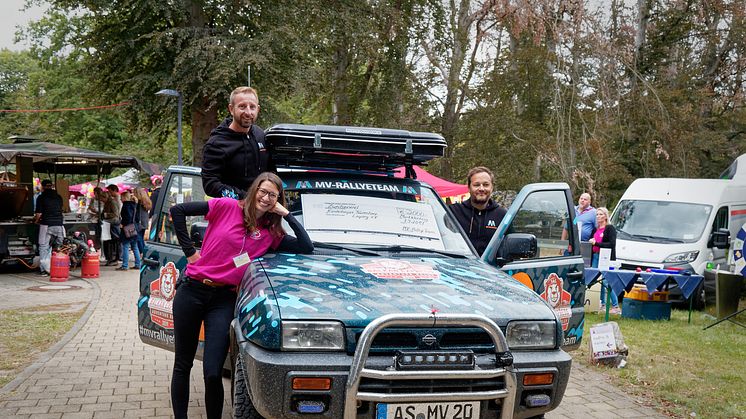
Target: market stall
{"x": 27, "y": 158}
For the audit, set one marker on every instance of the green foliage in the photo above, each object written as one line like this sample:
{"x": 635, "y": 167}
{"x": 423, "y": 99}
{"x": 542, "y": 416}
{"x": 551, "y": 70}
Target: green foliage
{"x": 687, "y": 371}
{"x": 537, "y": 91}
{"x": 26, "y": 334}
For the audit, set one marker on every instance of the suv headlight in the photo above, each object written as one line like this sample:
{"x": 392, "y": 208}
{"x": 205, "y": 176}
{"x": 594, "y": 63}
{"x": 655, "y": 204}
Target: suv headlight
{"x": 312, "y": 335}
{"x": 532, "y": 334}
{"x": 682, "y": 257}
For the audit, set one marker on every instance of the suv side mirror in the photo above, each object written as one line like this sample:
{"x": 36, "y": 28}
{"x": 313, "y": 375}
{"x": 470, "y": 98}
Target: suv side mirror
{"x": 197, "y": 233}
{"x": 719, "y": 239}
{"x": 516, "y": 246}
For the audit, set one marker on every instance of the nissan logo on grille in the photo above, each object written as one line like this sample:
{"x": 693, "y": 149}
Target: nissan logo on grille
{"x": 429, "y": 339}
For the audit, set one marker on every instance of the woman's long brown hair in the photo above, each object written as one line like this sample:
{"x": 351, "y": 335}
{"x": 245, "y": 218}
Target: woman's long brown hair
{"x": 270, "y": 220}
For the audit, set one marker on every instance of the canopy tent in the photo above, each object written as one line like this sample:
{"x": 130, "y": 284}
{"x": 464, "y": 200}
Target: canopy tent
{"x": 62, "y": 159}
{"x": 125, "y": 181}
{"x": 454, "y": 192}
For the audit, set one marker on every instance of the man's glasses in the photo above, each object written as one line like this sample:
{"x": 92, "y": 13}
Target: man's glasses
{"x": 263, "y": 192}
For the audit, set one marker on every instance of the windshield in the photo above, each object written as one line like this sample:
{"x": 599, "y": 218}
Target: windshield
{"x": 416, "y": 218}
{"x": 674, "y": 222}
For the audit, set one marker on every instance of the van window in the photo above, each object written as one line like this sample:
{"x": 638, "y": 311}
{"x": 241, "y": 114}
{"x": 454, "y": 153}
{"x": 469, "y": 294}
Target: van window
{"x": 721, "y": 219}
{"x": 544, "y": 214}
{"x": 182, "y": 188}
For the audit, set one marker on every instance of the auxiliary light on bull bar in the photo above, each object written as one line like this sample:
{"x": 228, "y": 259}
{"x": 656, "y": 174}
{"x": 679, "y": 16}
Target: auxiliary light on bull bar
{"x": 414, "y": 360}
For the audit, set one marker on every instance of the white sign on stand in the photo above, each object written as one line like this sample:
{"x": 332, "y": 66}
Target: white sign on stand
{"x": 603, "y": 342}
{"x": 604, "y": 259}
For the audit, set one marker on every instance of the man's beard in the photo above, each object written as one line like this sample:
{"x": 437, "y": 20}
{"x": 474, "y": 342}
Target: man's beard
{"x": 246, "y": 124}
{"x": 480, "y": 200}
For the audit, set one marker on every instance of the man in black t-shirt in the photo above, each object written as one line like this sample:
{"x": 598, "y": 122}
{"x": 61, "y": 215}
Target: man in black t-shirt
{"x": 48, "y": 215}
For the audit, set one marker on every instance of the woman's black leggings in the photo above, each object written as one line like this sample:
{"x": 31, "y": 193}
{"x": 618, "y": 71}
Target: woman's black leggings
{"x": 195, "y": 302}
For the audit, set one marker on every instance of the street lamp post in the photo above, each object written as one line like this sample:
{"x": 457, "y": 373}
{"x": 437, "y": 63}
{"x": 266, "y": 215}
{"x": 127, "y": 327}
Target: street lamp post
{"x": 171, "y": 92}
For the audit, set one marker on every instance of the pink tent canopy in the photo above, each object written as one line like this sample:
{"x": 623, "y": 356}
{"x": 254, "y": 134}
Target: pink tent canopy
{"x": 445, "y": 189}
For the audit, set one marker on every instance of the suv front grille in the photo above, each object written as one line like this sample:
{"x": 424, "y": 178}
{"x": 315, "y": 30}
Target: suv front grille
{"x": 393, "y": 340}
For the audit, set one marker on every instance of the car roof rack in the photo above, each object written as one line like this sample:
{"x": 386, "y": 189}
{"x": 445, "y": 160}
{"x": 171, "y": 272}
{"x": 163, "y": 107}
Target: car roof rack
{"x": 352, "y": 148}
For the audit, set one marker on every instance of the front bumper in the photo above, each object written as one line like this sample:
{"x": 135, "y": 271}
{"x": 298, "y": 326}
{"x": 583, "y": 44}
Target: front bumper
{"x": 270, "y": 375}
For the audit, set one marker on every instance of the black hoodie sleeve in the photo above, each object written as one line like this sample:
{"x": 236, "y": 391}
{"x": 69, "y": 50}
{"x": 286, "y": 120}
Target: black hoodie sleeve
{"x": 179, "y": 213}
{"x": 213, "y": 159}
{"x": 301, "y": 243}
{"x": 609, "y": 238}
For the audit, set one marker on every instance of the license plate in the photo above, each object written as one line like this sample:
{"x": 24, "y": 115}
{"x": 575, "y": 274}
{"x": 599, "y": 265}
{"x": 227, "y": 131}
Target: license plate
{"x": 455, "y": 410}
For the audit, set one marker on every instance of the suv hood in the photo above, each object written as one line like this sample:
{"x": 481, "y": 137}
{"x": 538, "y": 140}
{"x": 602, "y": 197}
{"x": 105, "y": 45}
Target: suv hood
{"x": 356, "y": 290}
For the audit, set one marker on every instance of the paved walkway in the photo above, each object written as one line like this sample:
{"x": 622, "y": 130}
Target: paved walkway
{"x": 102, "y": 369}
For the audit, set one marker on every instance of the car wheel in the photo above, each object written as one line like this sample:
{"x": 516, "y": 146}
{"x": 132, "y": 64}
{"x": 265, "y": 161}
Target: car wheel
{"x": 242, "y": 406}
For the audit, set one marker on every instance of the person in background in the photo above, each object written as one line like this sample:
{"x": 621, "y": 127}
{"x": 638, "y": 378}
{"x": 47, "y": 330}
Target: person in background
{"x": 144, "y": 206}
{"x": 235, "y": 153}
{"x": 96, "y": 207}
{"x": 585, "y": 216}
{"x": 37, "y": 191}
{"x": 96, "y": 210}
{"x": 73, "y": 203}
{"x": 130, "y": 215}
{"x": 157, "y": 181}
{"x": 48, "y": 215}
{"x": 604, "y": 238}
{"x": 479, "y": 215}
{"x": 112, "y": 216}
{"x": 237, "y": 232}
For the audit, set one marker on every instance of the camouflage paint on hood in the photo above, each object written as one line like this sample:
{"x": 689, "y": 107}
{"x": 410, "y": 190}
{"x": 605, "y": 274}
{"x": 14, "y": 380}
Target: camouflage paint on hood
{"x": 356, "y": 290}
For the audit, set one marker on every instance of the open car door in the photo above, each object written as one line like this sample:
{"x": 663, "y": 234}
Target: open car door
{"x": 164, "y": 261}
{"x": 529, "y": 246}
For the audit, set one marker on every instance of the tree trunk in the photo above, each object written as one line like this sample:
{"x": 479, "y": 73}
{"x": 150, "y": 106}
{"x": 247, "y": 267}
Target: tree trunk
{"x": 643, "y": 18}
{"x": 204, "y": 116}
{"x": 204, "y": 119}
{"x": 341, "y": 103}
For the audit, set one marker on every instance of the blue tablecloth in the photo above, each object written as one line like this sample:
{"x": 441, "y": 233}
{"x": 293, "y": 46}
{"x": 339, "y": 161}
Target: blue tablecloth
{"x": 622, "y": 280}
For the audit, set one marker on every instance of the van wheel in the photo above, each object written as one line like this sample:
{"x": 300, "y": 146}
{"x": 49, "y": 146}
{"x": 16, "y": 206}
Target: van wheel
{"x": 699, "y": 298}
{"x": 242, "y": 406}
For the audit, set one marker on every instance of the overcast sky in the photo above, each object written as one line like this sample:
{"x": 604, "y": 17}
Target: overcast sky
{"x": 11, "y": 17}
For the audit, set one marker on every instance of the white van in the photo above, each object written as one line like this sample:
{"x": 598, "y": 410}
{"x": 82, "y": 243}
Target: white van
{"x": 668, "y": 222}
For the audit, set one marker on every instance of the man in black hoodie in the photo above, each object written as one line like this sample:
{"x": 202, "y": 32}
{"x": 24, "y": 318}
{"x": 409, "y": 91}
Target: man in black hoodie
{"x": 479, "y": 215}
{"x": 236, "y": 151}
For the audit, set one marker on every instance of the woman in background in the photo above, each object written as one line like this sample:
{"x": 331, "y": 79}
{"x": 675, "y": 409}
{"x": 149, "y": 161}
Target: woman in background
{"x": 112, "y": 220}
{"x": 129, "y": 216}
{"x": 144, "y": 205}
{"x": 604, "y": 238}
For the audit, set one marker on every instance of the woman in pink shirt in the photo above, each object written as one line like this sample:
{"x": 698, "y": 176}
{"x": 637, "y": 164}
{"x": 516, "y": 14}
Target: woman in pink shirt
{"x": 237, "y": 233}
{"x": 604, "y": 237}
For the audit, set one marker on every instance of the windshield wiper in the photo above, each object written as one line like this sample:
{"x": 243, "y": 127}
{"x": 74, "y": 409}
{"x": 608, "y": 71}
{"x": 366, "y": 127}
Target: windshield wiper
{"x": 623, "y": 233}
{"x": 397, "y": 248}
{"x": 656, "y": 238}
{"x": 357, "y": 250}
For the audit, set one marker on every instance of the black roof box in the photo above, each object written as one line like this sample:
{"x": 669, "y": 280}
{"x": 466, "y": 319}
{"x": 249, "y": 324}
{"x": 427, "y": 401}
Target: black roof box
{"x": 360, "y": 148}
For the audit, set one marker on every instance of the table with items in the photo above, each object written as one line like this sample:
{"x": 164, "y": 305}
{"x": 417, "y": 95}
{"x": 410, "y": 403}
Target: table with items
{"x": 619, "y": 280}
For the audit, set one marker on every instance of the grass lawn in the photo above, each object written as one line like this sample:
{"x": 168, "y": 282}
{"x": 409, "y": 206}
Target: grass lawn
{"x": 687, "y": 370}
{"x": 27, "y": 333}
